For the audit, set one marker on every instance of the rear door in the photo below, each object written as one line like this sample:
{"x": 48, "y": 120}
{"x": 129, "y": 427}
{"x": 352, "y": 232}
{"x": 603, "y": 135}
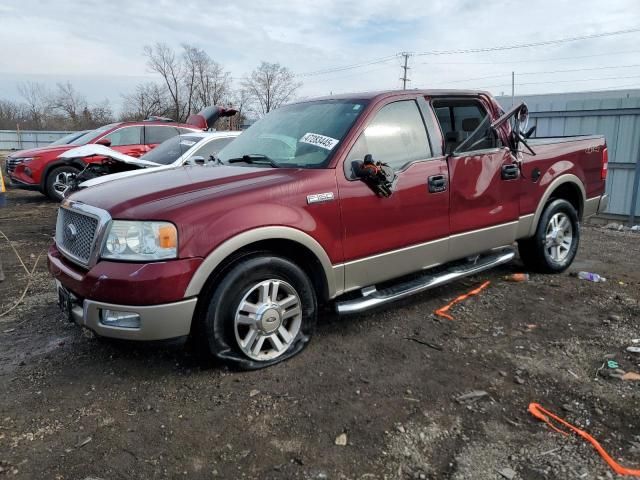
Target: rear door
{"x": 484, "y": 178}
{"x": 385, "y": 237}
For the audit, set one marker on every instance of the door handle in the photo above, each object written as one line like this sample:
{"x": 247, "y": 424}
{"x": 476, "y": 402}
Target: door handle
{"x": 437, "y": 183}
{"x": 510, "y": 171}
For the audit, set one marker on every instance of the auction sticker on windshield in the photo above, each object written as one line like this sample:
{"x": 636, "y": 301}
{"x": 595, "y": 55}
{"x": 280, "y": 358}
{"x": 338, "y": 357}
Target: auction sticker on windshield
{"x": 318, "y": 140}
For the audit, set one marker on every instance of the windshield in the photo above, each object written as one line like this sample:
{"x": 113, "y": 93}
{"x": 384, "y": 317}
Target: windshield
{"x": 68, "y": 138}
{"x": 298, "y": 135}
{"x": 92, "y": 135}
{"x": 172, "y": 149}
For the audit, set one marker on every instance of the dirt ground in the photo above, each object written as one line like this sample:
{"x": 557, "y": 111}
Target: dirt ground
{"x": 74, "y": 407}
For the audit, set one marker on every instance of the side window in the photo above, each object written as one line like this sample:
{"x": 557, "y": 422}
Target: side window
{"x": 157, "y": 134}
{"x": 462, "y": 119}
{"x": 396, "y": 136}
{"x": 126, "y": 136}
{"x": 211, "y": 148}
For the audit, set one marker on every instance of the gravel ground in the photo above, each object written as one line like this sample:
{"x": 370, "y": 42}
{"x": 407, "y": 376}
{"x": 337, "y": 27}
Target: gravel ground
{"x": 372, "y": 397}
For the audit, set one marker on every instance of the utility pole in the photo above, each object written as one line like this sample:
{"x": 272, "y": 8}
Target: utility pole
{"x": 405, "y": 68}
{"x": 513, "y": 87}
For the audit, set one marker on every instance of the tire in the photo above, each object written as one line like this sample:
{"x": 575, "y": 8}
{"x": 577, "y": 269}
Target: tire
{"x": 242, "y": 326}
{"x": 58, "y": 182}
{"x": 554, "y": 246}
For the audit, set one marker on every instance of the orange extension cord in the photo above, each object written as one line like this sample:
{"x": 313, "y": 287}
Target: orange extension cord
{"x": 545, "y": 415}
{"x": 442, "y": 312}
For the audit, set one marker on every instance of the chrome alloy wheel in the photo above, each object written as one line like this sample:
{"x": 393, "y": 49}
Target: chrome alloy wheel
{"x": 62, "y": 182}
{"x": 268, "y": 320}
{"x": 559, "y": 237}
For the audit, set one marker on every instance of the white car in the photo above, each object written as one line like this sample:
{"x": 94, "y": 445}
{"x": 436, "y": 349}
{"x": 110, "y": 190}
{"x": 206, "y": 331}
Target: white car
{"x": 196, "y": 148}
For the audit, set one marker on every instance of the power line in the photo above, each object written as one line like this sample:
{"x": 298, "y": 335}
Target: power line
{"x": 547, "y": 72}
{"x": 348, "y": 67}
{"x": 464, "y": 51}
{"x": 564, "y": 81}
{"x": 527, "y": 45}
{"x": 533, "y": 60}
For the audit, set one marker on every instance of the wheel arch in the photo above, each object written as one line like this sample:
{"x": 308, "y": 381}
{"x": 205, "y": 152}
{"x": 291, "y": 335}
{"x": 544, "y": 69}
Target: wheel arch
{"x": 77, "y": 163}
{"x": 567, "y": 187}
{"x": 287, "y": 242}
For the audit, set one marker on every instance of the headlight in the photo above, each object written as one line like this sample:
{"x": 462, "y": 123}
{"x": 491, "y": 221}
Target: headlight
{"x": 141, "y": 241}
{"x": 25, "y": 159}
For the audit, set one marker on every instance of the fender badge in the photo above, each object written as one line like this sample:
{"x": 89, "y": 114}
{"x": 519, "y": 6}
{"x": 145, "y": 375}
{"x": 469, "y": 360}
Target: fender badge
{"x": 320, "y": 197}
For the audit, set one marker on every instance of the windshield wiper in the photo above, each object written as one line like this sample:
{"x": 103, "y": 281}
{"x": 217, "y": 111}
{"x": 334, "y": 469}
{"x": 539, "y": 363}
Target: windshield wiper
{"x": 254, "y": 158}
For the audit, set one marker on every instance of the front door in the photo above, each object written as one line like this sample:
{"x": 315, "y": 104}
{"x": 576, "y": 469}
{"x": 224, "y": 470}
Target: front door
{"x": 386, "y": 237}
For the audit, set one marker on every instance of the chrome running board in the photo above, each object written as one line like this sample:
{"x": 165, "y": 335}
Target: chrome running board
{"x": 372, "y": 297}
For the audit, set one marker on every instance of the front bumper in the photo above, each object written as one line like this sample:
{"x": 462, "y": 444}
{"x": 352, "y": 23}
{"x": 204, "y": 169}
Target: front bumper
{"x": 154, "y": 291}
{"x": 157, "y": 322}
{"x": 15, "y": 183}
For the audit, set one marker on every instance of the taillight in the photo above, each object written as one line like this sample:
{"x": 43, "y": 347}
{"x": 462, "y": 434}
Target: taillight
{"x": 605, "y": 162}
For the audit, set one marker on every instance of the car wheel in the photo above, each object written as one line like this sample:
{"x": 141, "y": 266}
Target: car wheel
{"x": 59, "y": 181}
{"x": 262, "y": 311}
{"x": 555, "y": 244}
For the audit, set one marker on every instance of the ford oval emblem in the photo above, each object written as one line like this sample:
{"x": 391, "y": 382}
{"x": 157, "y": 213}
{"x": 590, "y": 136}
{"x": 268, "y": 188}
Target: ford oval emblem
{"x": 70, "y": 232}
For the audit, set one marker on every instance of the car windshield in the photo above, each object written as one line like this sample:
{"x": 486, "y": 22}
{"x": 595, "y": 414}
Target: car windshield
{"x": 69, "y": 138}
{"x": 299, "y": 135}
{"x": 172, "y": 149}
{"x": 92, "y": 135}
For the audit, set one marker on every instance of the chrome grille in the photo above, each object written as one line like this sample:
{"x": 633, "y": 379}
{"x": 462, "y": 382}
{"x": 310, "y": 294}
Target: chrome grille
{"x": 75, "y": 234}
{"x": 11, "y": 164}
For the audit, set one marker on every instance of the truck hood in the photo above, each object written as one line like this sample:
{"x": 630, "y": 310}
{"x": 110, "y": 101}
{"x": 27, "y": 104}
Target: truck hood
{"x": 158, "y": 194}
{"x": 95, "y": 149}
{"x": 32, "y": 152}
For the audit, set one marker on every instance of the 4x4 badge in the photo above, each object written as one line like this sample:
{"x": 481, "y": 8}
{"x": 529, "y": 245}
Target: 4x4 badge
{"x": 320, "y": 197}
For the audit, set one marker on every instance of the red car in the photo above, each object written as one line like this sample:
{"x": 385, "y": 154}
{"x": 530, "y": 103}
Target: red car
{"x": 40, "y": 169}
{"x": 353, "y": 200}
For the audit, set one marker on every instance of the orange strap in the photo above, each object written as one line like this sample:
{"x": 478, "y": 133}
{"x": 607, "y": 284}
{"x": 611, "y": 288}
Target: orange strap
{"x": 442, "y": 312}
{"x": 545, "y": 415}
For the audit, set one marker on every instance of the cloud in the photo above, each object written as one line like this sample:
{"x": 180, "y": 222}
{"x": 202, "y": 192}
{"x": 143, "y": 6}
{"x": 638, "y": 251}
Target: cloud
{"x": 103, "y": 40}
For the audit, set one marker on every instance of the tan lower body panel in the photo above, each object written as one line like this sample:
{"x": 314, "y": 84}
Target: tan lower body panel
{"x": 389, "y": 265}
{"x": 591, "y": 206}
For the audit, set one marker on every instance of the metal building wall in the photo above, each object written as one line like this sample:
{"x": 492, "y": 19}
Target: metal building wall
{"x": 23, "y": 139}
{"x": 616, "y": 115}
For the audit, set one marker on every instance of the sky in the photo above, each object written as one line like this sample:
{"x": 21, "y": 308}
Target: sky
{"x": 98, "y": 46}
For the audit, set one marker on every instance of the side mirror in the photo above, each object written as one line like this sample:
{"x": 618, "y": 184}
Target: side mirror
{"x": 197, "y": 160}
{"x": 377, "y": 175}
{"x": 104, "y": 141}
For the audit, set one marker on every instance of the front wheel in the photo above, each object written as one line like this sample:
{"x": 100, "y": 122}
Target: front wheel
{"x": 262, "y": 312}
{"x": 555, "y": 244}
{"x": 59, "y": 181}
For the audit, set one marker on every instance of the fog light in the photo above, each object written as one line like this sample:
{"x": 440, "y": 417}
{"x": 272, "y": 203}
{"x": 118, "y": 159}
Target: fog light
{"x": 27, "y": 171}
{"x": 115, "y": 318}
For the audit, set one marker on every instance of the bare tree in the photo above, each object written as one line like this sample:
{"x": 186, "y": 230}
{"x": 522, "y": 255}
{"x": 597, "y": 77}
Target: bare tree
{"x": 70, "y": 103}
{"x": 148, "y": 99}
{"x": 213, "y": 82}
{"x": 38, "y": 102}
{"x": 193, "y": 80}
{"x": 271, "y": 85}
{"x": 162, "y": 60}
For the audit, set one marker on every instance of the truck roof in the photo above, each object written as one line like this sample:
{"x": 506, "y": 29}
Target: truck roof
{"x": 390, "y": 93}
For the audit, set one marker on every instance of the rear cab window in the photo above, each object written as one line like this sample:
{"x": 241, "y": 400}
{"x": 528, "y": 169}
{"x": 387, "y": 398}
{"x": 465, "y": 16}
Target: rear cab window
{"x": 465, "y": 125}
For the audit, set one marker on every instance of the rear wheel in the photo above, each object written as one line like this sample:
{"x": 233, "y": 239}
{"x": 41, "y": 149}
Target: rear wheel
{"x": 59, "y": 182}
{"x": 555, "y": 244}
{"x": 262, "y": 311}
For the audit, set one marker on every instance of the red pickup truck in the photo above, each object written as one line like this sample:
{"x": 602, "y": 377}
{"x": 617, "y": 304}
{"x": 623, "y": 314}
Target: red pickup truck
{"x": 353, "y": 200}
